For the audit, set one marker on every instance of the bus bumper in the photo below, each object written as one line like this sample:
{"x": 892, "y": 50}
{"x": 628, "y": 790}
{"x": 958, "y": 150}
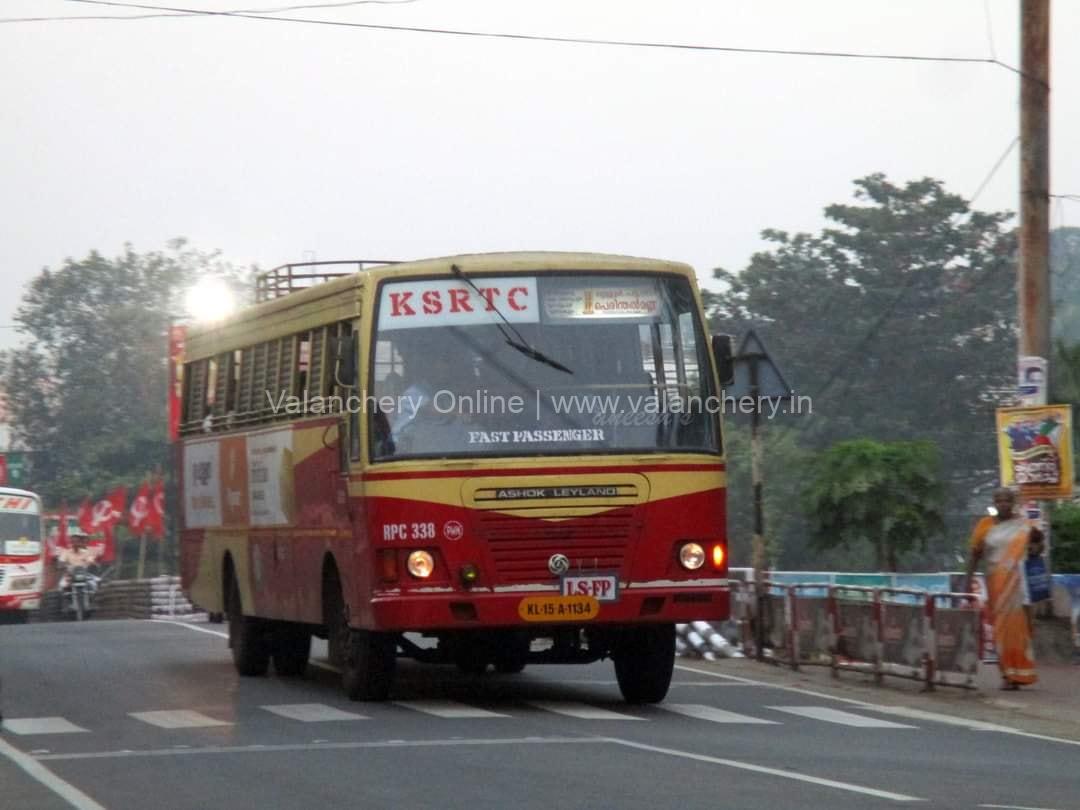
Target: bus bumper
{"x": 462, "y": 610}
{"x": 20, "y": 601}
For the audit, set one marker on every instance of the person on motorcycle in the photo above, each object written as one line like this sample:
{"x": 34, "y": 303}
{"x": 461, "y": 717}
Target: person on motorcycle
{"x": 79, "y": 555}
{"x": 78, "y": 561}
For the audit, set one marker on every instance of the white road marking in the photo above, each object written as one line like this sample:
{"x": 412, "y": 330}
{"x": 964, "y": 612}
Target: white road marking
{"x": 749, "y": 766}
{"x": 41, "y": 725}
{"x": 582, "y": 711}
{"x": 837, "y": 716}
{"x": 899, "y": 711}
{"x": 313, "y": 712}
{"x": 446, "y": 708}
{"x": 35, "y": 770}
{"x": 260, "y": 749}
{"x": 712, "y": 714}
{"x": 177, "y": 718}
{"x": 192, "y": 627}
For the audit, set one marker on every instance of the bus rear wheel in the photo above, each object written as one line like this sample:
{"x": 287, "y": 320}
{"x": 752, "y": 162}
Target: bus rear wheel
{"x": 247, "y": 637}
{"x": 291, "y": 649}
{"x": 370, "y": 662}
{"x": 644, "y": 662}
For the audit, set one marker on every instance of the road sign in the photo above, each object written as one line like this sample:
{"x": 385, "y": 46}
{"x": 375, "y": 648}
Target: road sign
{"x": 753, "y": 359}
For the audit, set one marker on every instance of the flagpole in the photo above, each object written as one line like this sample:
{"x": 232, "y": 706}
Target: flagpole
{"x": 142, "y": 557}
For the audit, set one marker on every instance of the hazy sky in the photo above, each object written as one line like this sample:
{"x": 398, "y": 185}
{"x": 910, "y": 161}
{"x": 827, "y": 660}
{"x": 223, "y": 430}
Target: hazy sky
{"x": 278, "y": 141}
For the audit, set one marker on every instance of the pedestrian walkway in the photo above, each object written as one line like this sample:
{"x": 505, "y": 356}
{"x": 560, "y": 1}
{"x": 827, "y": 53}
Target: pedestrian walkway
{"x": 439, "y": 710}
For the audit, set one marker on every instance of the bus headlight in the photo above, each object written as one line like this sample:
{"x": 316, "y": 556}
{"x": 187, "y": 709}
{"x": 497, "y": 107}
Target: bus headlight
{"x": 421, "y": 564}
{"x": 692, "y": 556}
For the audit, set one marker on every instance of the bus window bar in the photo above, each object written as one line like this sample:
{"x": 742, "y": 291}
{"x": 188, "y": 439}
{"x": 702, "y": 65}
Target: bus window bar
{"x": 289, "y": 278}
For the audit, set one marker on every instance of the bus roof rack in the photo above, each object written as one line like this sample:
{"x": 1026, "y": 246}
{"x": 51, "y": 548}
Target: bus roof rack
{"x": 290, "y": 278}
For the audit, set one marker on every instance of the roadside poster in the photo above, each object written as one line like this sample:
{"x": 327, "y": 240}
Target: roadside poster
{"x": 270, "y": 477}
{"x": 202, "y": 485}
{"x": 1031, "y": 380}
{"x": 1035, "y": 450}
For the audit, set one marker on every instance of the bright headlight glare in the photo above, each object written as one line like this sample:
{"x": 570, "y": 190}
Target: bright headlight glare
{"x": 421, "y": 564}
{"x": 692, "y": 556}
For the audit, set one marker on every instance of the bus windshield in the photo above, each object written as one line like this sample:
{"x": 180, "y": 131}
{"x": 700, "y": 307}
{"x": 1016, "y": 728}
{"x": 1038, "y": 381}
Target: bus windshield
{"x": 528, "y": 365}
{"x": 20, "y": 534}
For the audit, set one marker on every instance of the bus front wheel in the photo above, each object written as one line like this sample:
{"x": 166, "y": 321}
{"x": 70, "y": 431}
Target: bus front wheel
{"x": 644, "y": 662}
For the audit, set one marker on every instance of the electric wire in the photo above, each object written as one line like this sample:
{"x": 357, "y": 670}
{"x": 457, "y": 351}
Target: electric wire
{"x": 599, "y": 41}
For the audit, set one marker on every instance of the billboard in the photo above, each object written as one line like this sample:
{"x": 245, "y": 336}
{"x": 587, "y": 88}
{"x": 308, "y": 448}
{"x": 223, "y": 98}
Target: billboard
{"x": 1035, "y": 450}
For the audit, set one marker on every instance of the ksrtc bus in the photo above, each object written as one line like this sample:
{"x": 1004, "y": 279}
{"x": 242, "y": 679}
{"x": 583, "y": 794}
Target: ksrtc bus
{"x": 488, "y": 460}
{"x": 22, "y": 554}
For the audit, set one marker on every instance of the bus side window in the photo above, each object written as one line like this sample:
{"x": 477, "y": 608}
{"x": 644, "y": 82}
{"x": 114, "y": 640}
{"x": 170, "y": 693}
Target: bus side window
{"x": 303, "y": 362}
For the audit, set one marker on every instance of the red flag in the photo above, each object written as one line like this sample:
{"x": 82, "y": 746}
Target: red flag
{"x": 110, "y": 509}
{"x": 155, "y": 520}
{"x": 108, "y": 552}
{"x": 139, "y": 513}
{"x": 86, "y": 517}
{"x": 177, "y": 336}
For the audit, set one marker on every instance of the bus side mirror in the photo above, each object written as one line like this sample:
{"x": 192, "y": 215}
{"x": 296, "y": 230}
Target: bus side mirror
{"x": 725, "y": 358}
{"x": 345, "y": 361}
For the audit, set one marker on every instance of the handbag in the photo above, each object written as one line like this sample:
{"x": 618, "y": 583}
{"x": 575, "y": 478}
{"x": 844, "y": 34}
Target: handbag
{"x": 1038, "y": 579}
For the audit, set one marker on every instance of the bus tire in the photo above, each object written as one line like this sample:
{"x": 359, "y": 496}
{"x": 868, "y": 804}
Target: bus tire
{"x": 291, "y": 649}
{"x": 370, "y": 661}
{"x": 247, "y": 637}
{"x": 644, "y": 662}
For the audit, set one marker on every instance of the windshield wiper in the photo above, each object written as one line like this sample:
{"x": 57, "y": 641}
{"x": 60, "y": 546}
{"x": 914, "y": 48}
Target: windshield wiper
{"x": 520, "y": 344}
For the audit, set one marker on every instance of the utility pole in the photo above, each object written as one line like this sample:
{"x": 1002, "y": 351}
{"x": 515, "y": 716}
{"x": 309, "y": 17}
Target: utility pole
{"x": 1033, "y": 282}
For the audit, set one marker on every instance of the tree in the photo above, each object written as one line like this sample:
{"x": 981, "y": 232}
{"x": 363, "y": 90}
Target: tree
{"x": 1065, "y": 538}
{"x": 888, "y": 494}
{"x": 898, "y": 319}
{"x": 86, "y": 391}
{"x": 1065, "y": 284}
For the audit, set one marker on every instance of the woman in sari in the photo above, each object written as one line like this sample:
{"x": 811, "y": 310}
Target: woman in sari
{"x": 1005, "y": 541}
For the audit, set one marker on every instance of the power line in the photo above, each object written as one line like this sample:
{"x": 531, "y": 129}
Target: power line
{"x": 159, "y": 15}
{"x": 563, "y": 39}
{"x": 989, "y": 28}
{"x": 994, "y": 169}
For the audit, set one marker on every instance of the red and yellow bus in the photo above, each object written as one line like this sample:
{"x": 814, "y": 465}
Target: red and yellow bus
{"x": 488, "y": 460}
{"x": 22, "y": 554}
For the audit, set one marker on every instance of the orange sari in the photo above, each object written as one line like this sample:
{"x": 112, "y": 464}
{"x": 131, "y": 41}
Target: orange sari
{"x": 1004, "y": 546}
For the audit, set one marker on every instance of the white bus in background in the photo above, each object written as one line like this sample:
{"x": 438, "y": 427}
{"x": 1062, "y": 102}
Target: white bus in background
{"x": 22, "y": 554}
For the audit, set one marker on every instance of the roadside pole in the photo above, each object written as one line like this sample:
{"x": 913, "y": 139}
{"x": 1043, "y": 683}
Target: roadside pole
{"x": 758, "y": 378}
{"x": 1033, "y": 283}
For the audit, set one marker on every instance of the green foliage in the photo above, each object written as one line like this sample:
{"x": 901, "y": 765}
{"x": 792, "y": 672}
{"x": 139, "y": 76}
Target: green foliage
{"x": 1065, "y": 284}
{"x": 86, "y": 392}
{"x": 783, "y": 526}
{"x": 1065, "y": 538}
{"x": 887, "y": 494}
{"x": 898, "y": 318}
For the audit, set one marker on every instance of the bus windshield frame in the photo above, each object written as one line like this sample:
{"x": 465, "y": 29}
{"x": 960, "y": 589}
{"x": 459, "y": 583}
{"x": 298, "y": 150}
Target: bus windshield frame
{"x": 539, "y": 364}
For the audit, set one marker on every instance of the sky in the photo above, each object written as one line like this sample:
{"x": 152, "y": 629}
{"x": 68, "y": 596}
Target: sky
{"x": 278, "y": 142}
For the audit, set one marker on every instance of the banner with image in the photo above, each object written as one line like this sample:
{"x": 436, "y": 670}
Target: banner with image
{"x": 1035, "y": 450}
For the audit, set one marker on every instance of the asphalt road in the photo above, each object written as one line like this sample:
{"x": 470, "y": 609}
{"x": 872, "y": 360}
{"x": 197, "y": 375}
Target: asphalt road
{"x": 135, "y": 715}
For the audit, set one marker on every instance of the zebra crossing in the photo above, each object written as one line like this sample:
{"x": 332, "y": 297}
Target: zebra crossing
{"x": 180, "y": 719}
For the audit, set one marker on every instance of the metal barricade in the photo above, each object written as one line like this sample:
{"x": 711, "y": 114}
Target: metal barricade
{"x": 911, "y": 633}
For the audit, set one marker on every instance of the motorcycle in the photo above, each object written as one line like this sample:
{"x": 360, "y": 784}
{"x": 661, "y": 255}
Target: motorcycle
{"x": 77, "y": 588}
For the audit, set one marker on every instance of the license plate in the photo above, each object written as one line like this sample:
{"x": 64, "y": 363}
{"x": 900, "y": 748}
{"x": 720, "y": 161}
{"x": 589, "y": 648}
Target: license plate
{"x": 603, "y": 587}
{"x": 558, "y": 608}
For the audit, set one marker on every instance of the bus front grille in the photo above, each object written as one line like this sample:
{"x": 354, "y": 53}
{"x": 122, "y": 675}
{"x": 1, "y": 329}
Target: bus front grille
{"x": 521, "y": 547}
